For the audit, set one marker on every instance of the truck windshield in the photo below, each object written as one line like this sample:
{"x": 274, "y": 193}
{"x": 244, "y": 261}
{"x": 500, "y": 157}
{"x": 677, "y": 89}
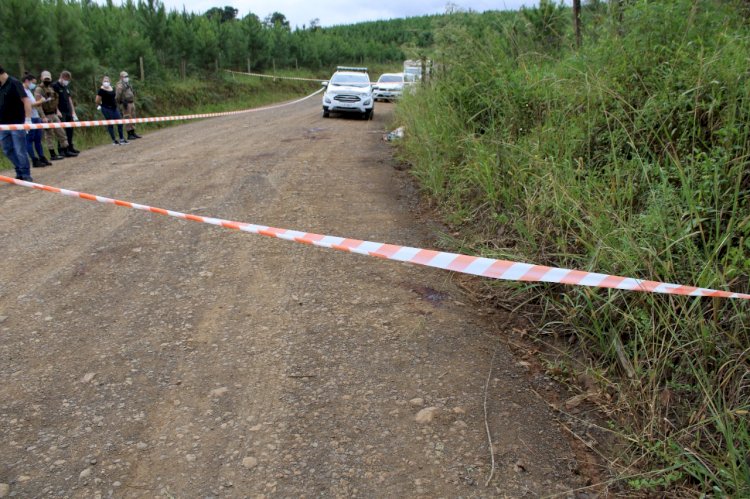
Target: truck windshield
{"x": 390, "y": 79}
{"x": 353, "y": 80}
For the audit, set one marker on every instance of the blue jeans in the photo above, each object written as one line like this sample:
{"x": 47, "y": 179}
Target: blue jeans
{"x": 14, "y": 147}
{"x": 34, "y": 141}
{"x": 111, "y": 113}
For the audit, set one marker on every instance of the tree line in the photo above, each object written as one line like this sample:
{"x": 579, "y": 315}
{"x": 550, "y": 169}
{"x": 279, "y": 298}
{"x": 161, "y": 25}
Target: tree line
{"x": 89, "y": 38}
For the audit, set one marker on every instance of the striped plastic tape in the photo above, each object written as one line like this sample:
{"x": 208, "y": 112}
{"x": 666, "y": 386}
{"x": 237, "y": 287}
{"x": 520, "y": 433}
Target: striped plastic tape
{"x": 275, "y": 77}
{"x": 82, "y": 124}
{"x": 485, "y": 267}
{"x": 262, "y": 75}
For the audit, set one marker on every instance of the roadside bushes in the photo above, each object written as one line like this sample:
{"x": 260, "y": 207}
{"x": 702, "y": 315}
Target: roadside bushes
{"x": 629, "y": 157}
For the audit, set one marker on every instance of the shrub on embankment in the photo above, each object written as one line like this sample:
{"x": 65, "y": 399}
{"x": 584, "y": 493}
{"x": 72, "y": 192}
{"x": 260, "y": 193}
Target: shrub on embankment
{"x": 628, "y": 156}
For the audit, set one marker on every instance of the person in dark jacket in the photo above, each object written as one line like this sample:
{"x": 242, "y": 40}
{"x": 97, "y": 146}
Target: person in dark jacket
{"x": 66, "y": 107}
{"x": 106, "y": 103}
{"x": 15, "y": 109}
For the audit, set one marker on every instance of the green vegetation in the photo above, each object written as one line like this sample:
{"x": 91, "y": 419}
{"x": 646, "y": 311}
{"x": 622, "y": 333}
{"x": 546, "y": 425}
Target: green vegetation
{"x": 90, "y": 39}
{"x": 185, "y": 54}
{"x": 190, "y": 96}
{"x": 628, "y": 156}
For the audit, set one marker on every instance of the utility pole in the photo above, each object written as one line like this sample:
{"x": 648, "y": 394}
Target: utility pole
{"x": 577, "y": 21}
{"x": 143, "y": 74}
{"x": 616, "y": 7}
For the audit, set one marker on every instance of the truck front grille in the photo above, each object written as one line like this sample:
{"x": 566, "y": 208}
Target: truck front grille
{"x": 346, "y": 98}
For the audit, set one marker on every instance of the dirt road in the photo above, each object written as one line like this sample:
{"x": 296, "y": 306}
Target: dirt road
{"x": 142, "y": 356}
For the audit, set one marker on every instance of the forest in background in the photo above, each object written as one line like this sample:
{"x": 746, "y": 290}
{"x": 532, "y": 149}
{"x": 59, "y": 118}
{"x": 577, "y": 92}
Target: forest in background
{"x": 91, "y": 39}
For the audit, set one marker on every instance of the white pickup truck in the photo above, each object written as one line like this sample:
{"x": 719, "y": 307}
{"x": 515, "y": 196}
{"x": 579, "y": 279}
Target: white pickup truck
{"x": 390, "y": 86}
{"x": 349, "y": 91}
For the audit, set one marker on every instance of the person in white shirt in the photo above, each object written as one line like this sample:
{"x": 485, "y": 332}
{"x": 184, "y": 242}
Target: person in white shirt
{"x": 34, "y": 137}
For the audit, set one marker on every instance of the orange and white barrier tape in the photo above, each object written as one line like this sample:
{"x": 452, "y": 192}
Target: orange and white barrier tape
{"x": 82, "y": 124}
{"x": 275, "y": 77}
{"x": 485, "y": 267}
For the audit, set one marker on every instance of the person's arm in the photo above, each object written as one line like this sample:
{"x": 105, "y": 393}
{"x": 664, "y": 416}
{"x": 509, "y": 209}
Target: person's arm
{"x": 42, "y": 99}
{"x": 98, "y": 100}
{"x": 118, "y": 93}
{"x": 26, "y": 107}
{"x": 56, "y": 87}
{"x": 21, "y": 93}
{"x": 72, "y": 108}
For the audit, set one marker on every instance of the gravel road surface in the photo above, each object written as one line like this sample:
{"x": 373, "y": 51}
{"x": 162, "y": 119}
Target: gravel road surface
{"x": 143, "y": 356}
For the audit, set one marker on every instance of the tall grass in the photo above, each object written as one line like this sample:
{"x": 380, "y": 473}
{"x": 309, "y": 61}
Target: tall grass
{"x": 629, "y": 157}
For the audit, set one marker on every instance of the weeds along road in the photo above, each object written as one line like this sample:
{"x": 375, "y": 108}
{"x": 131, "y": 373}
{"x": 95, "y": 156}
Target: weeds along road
{"x": 143, "y": 356}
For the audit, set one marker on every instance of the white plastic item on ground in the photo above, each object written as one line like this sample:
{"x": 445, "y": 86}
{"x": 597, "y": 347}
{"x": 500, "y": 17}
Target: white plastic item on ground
{"x": 398, "y": 133}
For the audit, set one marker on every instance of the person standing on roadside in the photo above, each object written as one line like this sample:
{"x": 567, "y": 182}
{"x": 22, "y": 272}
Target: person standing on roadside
{"x": 34, "y": 137}
{"x": 126, "y": 99}
{"x": 15, "y": 109}
{"x": 105, "y": 102}
{"x": 66, "y": 107}
{"x": 50, "y": 114}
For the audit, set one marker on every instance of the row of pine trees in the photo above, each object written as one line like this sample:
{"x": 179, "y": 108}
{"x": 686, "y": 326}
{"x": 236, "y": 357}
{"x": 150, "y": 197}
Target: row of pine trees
{"x": 90, "y": 38}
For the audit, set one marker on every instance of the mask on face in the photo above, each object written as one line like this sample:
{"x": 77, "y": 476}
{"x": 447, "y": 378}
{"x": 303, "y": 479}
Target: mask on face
{"x": 106, "y": 83}
{"x": 32, "y": 86}
{"x": 46, "y": 82}
{"x": 65, "y": 83}
{"x": 126, "y": 79}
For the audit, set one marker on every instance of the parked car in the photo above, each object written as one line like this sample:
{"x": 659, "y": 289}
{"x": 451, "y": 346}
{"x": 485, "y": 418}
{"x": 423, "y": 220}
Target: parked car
{"x": 349, "y": 91}
{"x": 389, "y": 86}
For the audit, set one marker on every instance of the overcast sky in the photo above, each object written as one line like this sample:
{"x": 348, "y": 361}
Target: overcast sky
{"x": 332, "y": 12}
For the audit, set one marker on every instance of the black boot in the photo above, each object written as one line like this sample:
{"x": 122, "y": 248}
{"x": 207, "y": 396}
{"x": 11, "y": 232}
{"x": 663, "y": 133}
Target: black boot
{"x": 132, "y": 135}
{"x": 73, "y": 150}
{"x": 43, "y": 161}
{"x": 67, "y": 152}
{"x": 35, "y": 163}
{"x": 54, "y": 156}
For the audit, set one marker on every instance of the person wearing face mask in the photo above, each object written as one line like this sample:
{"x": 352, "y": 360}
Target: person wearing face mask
{"x": 105, "y": 102}
{"x": 50, "y": 114}
{"x": 34, "y": 137}
{"x": 15, "y": 109}
{"x": 66, "y": 107}
{"x": 126, "y": 100}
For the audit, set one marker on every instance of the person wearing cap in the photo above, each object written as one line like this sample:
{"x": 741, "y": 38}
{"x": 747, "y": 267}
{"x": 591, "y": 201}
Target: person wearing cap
{"x": 15, "y": 109}
{"x": 66, "y": 107}
{"x": 50, "y": 114}
{"x": 125, "y": 97}
{"x": 34, "y": 137}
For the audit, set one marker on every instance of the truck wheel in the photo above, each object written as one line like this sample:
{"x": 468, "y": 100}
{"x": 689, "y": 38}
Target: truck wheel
{"x": 367, "y": 115}
{"x": 326, "y": 114}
